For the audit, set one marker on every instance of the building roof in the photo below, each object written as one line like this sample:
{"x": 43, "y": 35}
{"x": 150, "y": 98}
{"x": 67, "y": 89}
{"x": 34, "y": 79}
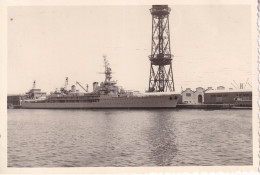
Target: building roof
{"x": 15, "y": 95}
{"x": 156, "y": 93}
{"x": 187, "y": 90}
{"x": 228, "y": 91}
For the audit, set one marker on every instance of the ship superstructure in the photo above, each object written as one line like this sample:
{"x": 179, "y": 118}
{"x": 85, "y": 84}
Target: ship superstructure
{"x": 35, "y": 93}
{"x": 105, "y": 95}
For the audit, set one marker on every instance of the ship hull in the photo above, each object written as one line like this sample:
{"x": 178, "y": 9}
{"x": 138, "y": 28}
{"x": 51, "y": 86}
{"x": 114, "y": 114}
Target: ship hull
{"x": 167, "y": 101}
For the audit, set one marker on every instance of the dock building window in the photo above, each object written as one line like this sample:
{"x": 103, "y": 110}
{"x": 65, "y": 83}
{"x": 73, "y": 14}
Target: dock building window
{"x": 188, "y": 94}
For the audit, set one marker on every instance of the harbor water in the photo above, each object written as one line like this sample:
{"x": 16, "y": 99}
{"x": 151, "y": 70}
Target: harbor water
{"x": 119, "y": 138}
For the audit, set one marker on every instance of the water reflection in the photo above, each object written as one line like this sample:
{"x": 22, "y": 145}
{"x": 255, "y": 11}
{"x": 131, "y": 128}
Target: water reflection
{"x": 162, "y": 138}
{"x": 110, "y": 138}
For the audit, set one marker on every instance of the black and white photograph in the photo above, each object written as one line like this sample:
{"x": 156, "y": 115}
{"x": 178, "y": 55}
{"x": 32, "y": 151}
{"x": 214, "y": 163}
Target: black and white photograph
{"x": 130, "y": 85}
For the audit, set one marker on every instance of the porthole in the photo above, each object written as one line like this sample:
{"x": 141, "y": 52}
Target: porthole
{"x": 170, "y": 98}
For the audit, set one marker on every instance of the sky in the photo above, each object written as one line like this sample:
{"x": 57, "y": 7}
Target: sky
{"x": 211, "y": 45}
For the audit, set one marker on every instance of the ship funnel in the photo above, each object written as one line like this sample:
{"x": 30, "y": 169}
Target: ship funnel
{"x": 95, "y": 84}
{"x": 73, "y": 88}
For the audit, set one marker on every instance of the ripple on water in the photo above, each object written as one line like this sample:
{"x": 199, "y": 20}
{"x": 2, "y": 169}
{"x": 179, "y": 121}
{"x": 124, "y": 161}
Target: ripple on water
{"x": 87, "y": 138}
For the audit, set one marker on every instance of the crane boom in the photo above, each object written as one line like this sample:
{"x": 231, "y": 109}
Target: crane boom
{"x": 234, "y": 85}
{"x": 81, "y": 86}
{"x": 246, "y": 82}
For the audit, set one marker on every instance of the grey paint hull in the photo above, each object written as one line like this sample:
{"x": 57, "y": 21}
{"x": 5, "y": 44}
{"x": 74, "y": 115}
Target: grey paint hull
{"x": 166, "y": 101}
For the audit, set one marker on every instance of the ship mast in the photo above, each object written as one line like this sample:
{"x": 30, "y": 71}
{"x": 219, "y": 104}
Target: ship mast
{"x": 66, "y": 83}
{"x": 34, "y": 84}
{"x": 108, "y": 70}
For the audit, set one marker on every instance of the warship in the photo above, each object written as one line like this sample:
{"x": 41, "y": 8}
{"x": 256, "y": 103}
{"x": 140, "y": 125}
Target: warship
{"x": 105, "y": 95}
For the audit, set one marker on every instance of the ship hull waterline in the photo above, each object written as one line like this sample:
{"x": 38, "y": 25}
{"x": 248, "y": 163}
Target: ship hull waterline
{"x": 110, "y": 103}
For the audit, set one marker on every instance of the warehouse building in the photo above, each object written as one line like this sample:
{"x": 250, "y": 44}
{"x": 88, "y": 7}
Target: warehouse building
{"x": 241, "y": 97}
{"x": 14, "y": 101}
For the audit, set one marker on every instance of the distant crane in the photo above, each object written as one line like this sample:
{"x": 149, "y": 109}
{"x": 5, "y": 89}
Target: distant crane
{"x": 236, "y": 84}
{"x": 247, "y": 83}
{"x": 82, "y": 86}
{"x": 242, "y": 85}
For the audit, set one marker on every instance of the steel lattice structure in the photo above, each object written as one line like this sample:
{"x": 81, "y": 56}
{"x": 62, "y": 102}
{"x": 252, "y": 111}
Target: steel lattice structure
{"x": 161, "y": 76}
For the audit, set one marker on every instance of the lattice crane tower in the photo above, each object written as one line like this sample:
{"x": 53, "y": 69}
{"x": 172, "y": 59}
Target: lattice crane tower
{"x": 161, "y": 76}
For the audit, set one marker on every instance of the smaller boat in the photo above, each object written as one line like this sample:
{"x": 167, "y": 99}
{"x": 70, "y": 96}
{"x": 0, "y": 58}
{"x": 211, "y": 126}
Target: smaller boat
{"x": 242, "y": 103}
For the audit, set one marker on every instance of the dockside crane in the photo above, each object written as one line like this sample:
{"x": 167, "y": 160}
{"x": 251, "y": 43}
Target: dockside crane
{"x": 247, "y": 83}
{"x": 82, "y": 86}
{"x": 236, "y": 84}
{"x": 233, "y": 85}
